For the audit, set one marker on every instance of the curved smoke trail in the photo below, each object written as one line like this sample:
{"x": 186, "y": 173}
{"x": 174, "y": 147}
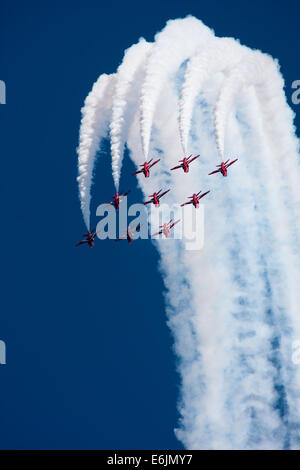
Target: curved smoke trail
{"x": 126, "y": 78}
{"x": 233, "y": 307}
{"x": 188, "y": 35}
{"x": 95, "y": 117}
{"x": 220, "y": 55}
{"x": 237, "y": 79}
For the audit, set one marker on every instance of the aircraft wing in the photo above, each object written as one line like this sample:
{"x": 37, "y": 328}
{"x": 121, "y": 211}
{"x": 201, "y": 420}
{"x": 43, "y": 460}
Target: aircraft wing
{"x": 136, "y": 172}
{"x": 186, "y": 203}
{"x": 194, "y": 158}
{"x": 204, "y": 194}
{"x": 162, "y": 194}
{"x": 157, "y": 233}
{"x": 81, "y": 243}
{"x": 148, "y": 202}
{"x": 174, "y": 223}
{"x": 125, "y": 194}
{"x": 154, "y": 163}
{"x": 175, "y": 167}
{"x": 231, "y": 163}
{"x": 213, "y": 172}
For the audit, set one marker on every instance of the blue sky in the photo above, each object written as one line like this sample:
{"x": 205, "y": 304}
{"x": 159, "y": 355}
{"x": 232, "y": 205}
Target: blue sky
{"x": 89, "y": 355}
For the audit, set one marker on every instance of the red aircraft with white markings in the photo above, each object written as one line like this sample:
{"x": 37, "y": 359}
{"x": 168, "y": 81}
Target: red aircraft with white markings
{"x": 129, "y": 234}
{"x": 90, "y": 238}
{"x": 155, "y": 197}
{"x": 223, "y": 167}
{"x": 165, "y": 228}
{"x": 194, "y": 199}
{"x": 117, "y": 199}
{"x": 146, "y": 168}
{"x": 185, "y": 163}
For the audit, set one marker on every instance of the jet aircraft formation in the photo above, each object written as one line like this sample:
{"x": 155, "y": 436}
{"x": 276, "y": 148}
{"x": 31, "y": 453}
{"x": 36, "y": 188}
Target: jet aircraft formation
{"x": 165, "y": 229}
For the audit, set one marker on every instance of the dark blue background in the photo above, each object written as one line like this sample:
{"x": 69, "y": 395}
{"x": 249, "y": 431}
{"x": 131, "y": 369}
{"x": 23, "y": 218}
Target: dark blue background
{"x": 89, "y": 355}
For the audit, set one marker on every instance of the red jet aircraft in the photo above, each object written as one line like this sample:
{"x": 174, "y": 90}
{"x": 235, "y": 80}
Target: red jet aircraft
{"x": 185, "y": 163}
{"x": 90, "y": 238}
{"x": 146, "y": 168}
{"x": 223, "y": 167}
{"x": 195, "y": 198}
{"x": 155, "y": 197}
{"x": 129, "y": 234}
{"x": 116, "y": 200}
{"x": 165, "y": 228}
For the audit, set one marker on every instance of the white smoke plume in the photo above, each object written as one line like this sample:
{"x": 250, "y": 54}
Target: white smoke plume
{"x": 94, "y": 125}
{"x": 200, "y": 68}
{"x": 127, "y": 75}
{"x": 163, "y": 62}
{"x": 249, "y": 72}
{"x": 233, "y": 307}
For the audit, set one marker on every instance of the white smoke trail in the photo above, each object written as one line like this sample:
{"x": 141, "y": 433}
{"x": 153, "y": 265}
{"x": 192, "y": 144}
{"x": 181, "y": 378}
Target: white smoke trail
{"x": 188, "y": 35}
{"x": 279, "y": 131}
{"x": 94, "y": 125}
{"x": 232, "y": 307}
{"x": 203, "y": 318}
{"x": 219, "y": 55}
{"x": 237, "y": 79}
{"x": 134, "y": 59}
{"x": 283, "y": 174}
